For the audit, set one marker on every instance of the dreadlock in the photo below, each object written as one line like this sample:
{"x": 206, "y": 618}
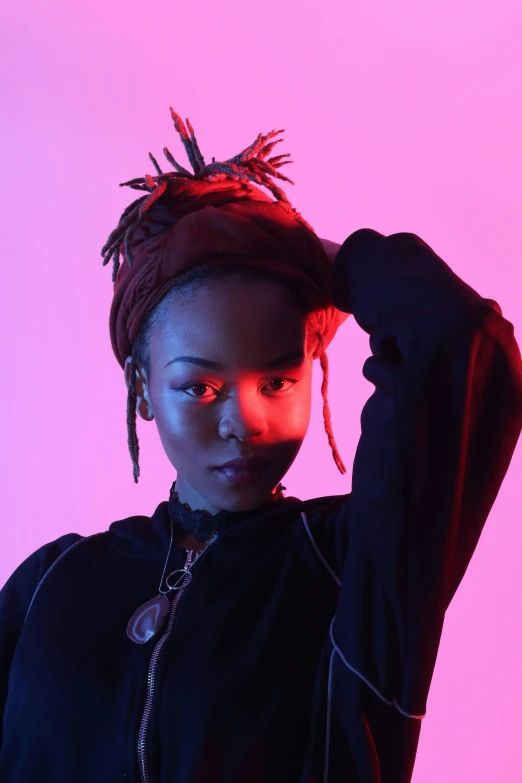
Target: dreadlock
{"x": 248, "y": 165}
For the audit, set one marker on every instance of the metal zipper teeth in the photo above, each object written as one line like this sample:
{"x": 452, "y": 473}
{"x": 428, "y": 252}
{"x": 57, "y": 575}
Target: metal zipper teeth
{"x": 142, "y": 735}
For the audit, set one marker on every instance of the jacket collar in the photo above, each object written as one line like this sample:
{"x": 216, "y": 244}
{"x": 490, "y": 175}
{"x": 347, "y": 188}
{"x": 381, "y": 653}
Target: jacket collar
{"x": 150, "y": 536}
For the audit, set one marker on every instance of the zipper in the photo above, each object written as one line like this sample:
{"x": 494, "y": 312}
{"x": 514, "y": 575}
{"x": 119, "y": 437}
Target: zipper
{"x": 151, "y": 676}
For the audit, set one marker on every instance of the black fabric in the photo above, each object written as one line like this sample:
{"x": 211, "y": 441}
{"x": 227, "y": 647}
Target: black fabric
{"x": 201, "y": 523}
{"x": 241, "y": 685}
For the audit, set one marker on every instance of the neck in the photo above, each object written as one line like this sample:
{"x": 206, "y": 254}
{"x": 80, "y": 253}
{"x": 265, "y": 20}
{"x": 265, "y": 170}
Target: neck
{"x": 200, "y": 527}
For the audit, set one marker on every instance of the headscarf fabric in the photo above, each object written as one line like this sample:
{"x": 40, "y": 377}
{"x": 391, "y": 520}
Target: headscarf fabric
{"x": 216, "y": 214}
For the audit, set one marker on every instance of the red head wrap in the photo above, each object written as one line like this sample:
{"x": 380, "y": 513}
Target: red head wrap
{"x": 214, "y": 214}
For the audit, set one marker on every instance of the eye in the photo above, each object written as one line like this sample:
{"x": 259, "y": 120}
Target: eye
{"x": 195, "y": 386}
{"x": 187, "y": 386}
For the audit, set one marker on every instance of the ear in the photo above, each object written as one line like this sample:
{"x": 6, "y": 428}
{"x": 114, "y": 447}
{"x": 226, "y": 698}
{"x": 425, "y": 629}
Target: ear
{"x": 143, "y": 403}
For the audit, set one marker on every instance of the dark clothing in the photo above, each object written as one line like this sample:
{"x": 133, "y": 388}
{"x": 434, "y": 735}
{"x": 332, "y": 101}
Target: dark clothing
{"x": 309, "y": 631}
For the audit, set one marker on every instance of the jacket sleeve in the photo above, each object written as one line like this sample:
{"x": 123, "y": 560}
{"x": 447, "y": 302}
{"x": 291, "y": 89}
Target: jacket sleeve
{"x": 437, "y": 437}
{"x": 15, "y": 598}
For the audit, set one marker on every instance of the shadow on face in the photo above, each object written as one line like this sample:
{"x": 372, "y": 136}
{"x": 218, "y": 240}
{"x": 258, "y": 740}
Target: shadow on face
{"x": 246, "y": 391}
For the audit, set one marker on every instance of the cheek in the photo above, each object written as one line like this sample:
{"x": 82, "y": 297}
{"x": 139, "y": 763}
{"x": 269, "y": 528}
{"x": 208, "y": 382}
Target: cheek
{"x": 183, "y": 431}
{"x": 291, "y": 418}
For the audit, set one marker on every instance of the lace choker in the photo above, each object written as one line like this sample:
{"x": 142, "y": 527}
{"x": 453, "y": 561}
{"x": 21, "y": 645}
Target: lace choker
{"x": 201, "y": 523}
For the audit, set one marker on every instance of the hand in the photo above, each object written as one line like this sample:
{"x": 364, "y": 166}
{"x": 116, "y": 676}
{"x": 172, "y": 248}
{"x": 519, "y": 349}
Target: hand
{"x": 331, "y": 249}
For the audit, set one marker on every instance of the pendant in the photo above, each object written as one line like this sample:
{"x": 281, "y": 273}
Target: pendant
{"x": 148, "y": 619}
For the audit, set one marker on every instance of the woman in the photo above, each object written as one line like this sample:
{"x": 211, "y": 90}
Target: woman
{"x": 238, "y": 635}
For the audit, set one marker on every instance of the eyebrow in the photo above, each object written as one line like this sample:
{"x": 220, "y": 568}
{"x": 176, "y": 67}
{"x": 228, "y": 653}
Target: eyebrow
{"x": 289, "y": 359}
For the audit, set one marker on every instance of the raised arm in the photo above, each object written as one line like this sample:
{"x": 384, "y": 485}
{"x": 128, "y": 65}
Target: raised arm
{"x": 437, "y": 437}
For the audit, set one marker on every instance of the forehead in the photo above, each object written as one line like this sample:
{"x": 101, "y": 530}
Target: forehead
{"x": 236, "y": 323}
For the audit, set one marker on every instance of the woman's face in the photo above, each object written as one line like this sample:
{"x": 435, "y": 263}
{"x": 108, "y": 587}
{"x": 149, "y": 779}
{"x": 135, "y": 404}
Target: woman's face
{"x": 242, "y": 402}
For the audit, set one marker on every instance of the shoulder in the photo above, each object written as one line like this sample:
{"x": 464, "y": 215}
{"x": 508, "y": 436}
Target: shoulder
{"x": 17, "y": 593}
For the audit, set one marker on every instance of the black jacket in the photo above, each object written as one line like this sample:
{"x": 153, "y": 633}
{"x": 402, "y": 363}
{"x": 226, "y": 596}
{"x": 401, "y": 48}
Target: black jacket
{"x": 304, "y": 647}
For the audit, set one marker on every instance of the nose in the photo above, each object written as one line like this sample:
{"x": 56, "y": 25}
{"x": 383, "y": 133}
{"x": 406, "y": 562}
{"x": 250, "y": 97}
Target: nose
{"x": 242, "y": 418}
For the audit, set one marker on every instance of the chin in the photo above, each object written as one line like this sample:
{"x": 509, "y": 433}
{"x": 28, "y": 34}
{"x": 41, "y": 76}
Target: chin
{"x": 244, "y": 497}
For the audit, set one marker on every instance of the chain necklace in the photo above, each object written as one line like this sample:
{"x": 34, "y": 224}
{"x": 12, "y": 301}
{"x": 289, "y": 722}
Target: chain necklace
{"x": 149, "y": 618}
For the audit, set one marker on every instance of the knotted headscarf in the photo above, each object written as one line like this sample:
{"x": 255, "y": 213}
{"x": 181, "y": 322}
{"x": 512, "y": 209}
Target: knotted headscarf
{"x": 213, "y": 214}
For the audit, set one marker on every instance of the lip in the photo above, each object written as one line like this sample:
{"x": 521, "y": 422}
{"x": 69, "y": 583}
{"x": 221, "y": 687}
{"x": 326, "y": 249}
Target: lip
{"x": 236, "y": 476}
{"x": 244, "y": 464}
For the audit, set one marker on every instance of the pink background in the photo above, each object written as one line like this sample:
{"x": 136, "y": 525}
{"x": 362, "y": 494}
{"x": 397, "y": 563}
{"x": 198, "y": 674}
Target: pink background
{"x": 400, "y": 117}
